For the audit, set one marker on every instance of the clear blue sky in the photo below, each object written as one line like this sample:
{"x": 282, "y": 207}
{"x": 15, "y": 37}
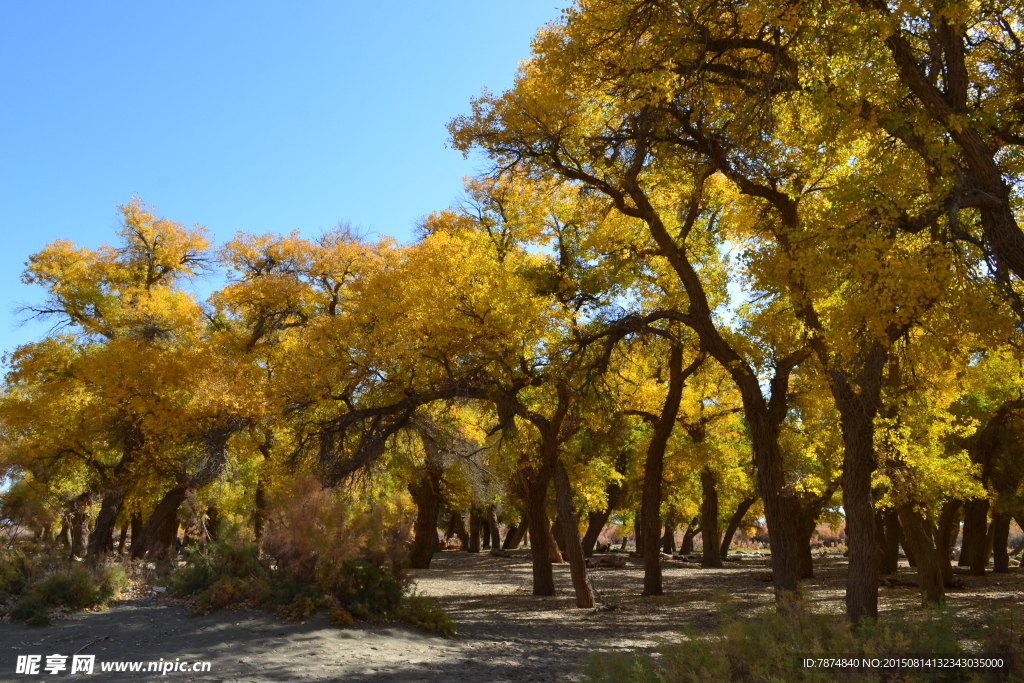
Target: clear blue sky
{"x": 253, "y": 116}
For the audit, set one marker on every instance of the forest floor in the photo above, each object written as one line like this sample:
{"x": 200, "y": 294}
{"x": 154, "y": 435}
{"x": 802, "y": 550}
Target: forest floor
{"x": 504, "y": 633}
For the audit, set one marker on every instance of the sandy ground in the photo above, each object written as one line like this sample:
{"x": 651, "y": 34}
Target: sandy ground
{"x": 504, "y": 633}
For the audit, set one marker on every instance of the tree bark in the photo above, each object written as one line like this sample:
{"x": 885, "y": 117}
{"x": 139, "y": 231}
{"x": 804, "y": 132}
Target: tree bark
{"x": 427, "y": 496}
{"x": 929, "y": 573}
{"x": 654, "y": 466}
{"x": 80, "y": 524}
{"x": 122, "y": 539}
{"x": 474, "y": 531}
{"x": 540, "y": 546}
{"x": 978, "y": 533}
{"x": 515, "y": 535}
{"x": 709, "y": 518}
{"x": 692, "y": 529}
{"x": 159, "y": 532}
{"x": 734, "y": 524}
{"x": 945, "y": 535}
{"x": 492, "y": 522}
{"x": 457, "y": 527}
{"x": 596, "y": 521}
{"x": 571, "y": 537}
{"x": 259, "y": 511}
{"x": 1000, "y": 539}
{"x": 888, "y": 525}
{"x": 668, "y": 539}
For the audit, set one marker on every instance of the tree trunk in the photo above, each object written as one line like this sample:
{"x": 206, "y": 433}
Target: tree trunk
{"x": 887, "y": 523}
{"x": 692, "y": 529}
{"x": 259, "y": 511}
{"x": 101, "y": 540}
{"x": 808, "y": 523}
{"x": 212, "y": 523}
{"x": 975, "y": 523}
{"x": 571, "y": 538}
{"x": 427, "y": 496}
{"x": 668, "y": 540}
{"x": 638, "y": 536}
{"x": 980, "y": 546}
{"x": 945, "y": 535}
{"x": 485, "y": 530}
{"x": 457, "y": 527}
{"x": 122, "y": 539}
{"x": 80, "y": 525}
{"x": 540, "y": 546}
{"x": 859, "y": 461}
{"x": 908, "y": 549}
{"x": 1000, "y": 539}
{"x": 556, "y": 534}
{"x": 515, "y": 535}
{"x": 734, "y": 524}
{"x": 709, "y": 518}
{"x": 136, "y": 525}
{"x": 492, "y": 522}
{"x": 160, "y": 530}
{"x": 474, "y": 531}
{"x": 929, "y": 573}
{"x": 596, "y": 521}
{"x": 654, "y": 466}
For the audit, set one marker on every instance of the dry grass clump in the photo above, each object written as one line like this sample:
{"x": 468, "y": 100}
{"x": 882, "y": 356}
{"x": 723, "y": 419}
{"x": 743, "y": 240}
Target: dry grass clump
{"x": 316, "y": 553}
{"x": 772, "y": 647}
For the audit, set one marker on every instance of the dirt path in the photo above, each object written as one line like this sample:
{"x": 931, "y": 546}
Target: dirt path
{"x": 504, "y": 633}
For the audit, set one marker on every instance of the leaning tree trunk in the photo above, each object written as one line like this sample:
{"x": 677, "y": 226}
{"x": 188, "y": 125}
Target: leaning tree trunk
{"x": 929, "y": 573}
{"x": 734, "y": 525}
{"x": 654, "y": 467}
{"x": 571, "y": 538}
{"x": 709, "y": 518}
{"x": 101, "y": 540}
{"x": 159, "y": 532}
{"x": 516, "y": 534}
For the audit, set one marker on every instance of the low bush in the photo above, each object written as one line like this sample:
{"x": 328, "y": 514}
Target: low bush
{"x": 31, "y": 610}
{"x": 78, "y": 588}
{"x": 315, "y": 555}
{"x": 771, "y": 647}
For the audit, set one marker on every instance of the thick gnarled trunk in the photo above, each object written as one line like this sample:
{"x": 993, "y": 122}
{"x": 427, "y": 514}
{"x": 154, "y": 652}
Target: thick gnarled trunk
{"x": 709, "y": 518}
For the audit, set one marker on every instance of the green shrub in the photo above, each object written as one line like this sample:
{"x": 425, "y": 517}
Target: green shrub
{"x": 769, "y": 647}
{"x": 76, "y": 589}
{"x": 31, "y": 610}
{"x": 231, "y": 573}
{"x": 424, "y": 612}
{"x": 370, "y": 592}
